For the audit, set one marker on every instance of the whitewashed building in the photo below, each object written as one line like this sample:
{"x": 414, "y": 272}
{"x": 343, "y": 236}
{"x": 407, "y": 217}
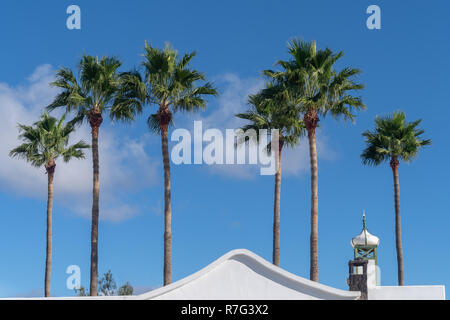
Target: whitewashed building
{"x": 242, "y": 275}
{"x": 365, "y": 246}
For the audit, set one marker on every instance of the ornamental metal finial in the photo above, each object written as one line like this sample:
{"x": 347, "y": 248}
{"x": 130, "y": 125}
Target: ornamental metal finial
{"x": 364, "y": 220}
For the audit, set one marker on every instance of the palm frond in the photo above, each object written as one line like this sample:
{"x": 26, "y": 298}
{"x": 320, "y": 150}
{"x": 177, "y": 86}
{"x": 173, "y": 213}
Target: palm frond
{"x": 46, "y": 140}
{"x": 274, "y": 107}
{"x": 170, "y": 81}
{"x": 101, "y": 87}
{"x": 393, "y": 136}
{"x": 129, "y": 98}
{"x": 310, "y": 74}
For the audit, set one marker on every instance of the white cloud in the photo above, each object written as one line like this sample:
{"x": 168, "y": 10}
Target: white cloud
{"x": 232, "y": 100}
{"x": 296, "y": 161}
{"x": 124, "y": 164}
{"x": 157, "y": 209}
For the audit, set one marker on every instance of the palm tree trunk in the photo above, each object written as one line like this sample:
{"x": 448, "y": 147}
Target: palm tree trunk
{"x": 165, "y": 117}
{"x": 167, "y": 208}
{"x": 398, "y": 227}
{"x": 95, "y": 119}
{"x": 311, "y": 119}
{"x": 48, "y": 259}
{"x": 276, "y": 211}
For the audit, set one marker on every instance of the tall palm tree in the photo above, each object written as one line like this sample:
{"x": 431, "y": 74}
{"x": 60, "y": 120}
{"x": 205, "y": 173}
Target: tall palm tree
{"x": 324, "y": 90}
{"x": 100, "y": 88}
{"x": 44, "y": 142}
{"x": 172, "y": 86}
{"x": 275, "y": 108}
{"x": 392, "y": 140}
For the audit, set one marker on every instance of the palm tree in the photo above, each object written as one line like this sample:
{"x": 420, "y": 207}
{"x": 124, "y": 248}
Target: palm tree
{"x": 171, "y": 86}
{"x": 275, "y": 108}
{"x": 99, "y": 89}
{"x": 311, "y": 73}
{"x": 44, "y": 142}
{"x": 394, "y": 139}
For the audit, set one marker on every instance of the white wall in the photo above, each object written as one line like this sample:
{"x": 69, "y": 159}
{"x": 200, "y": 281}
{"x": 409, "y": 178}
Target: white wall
{"x": 407, "y": 293}
{"x": 243, "y": 275}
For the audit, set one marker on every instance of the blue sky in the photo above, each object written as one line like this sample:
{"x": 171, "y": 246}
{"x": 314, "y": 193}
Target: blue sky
{"x": 216, "y": 209}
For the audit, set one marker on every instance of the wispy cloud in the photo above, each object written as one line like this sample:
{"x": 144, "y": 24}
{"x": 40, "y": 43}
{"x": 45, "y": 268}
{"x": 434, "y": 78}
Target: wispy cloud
{"x": 232, "y": 100}
{"x": 124, "y": 164}
{"x": 295, "y": 161}
{"x": 157, "y": 208}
